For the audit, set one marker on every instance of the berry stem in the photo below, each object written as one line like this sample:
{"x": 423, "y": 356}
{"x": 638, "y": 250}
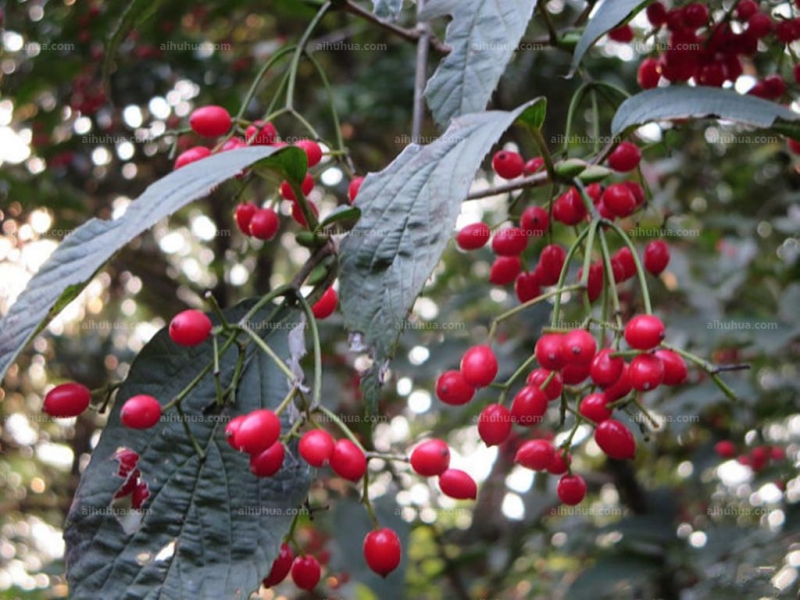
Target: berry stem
{"x": 564, "y": 270}
{"x": 390, "y": 457}
{"x": 367, "y": 503}
{"x": 516, "y": 375}
{"x": 334, "y": 113}
{"x": 300, "y": 50}
{"x": 342, "y": 427}
{"x": 518, "y": 309}
{"x": 273, "y": 60}
{"x": 541, "y": 143}
{"x": 188, "y": 430}
{"x": 646, "y": 413}
{"x": 266, "y": 299}
{"x": 537, "y": 180}
{"x": 217, "y": 382}
{"x": 269, "y": 352}
{"x": 312, "y": 322}
{"x": 287, "y": 399}
{"x": 639, "y": 268}
{"x": 711, "y": 369}
{"x": 226, "y": 326}
{"x": 609, "y": 275}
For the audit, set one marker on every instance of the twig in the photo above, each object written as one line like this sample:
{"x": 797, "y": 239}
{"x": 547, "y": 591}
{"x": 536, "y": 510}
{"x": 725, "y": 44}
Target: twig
{"x": 421, "y": 76}
{"x": 538, "y": 180}
{"x": 411, "y": 35}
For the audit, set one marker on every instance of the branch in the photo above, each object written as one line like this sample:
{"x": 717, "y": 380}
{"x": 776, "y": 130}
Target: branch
{"x": 537, "y": 180}
{"x": 410, "y": 35}
{"x": 421, "y": 76}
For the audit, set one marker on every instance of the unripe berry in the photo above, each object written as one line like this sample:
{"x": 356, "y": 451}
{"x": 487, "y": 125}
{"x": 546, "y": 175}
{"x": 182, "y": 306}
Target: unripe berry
{"x": 67, "y": 400}
{"x": 430, "y": 458}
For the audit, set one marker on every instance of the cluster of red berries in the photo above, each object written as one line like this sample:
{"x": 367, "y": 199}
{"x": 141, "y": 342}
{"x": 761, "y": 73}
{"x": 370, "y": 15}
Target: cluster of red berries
{"x": 133, "y": 485}
{"x": 709, "y": 52}
{"x": 617, "y": 200}
{"x": 257, "y": 433}
{"x": 71, "y": 399}
{"x": 88, "y": 95}
{"x": 432, "y": 459}
{"x": 757, "y": 458}
{"x": 564, "y": 359}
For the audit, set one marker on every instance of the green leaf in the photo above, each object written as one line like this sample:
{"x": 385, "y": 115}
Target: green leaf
{"x": 408, "y": 213}
{"x": 387, "y": 9}
{"x": 605, "y": 18}
{"x": 683, "y": 102}
{"x": 82, "y": 253}
{"x": 226, "y": 524}
{"x": 136, "y": 13}
{"x": 483, "y": 36}
{"x": 343, "y": 218}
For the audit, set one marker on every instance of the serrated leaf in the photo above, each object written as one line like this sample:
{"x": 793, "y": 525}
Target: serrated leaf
{"x": 408, "y": 213}
{"x": 483, "y": 36}
{"x": 82, "y": 253}
{"x": 136, "y": 13}
{"x": 387, "y": 9}
{"x": 605, "y": 18}
{"x": 683, "y": 102}
{"x": 222, "y": 525}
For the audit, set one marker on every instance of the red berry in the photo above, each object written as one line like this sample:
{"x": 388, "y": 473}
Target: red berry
{"x": 190, "y": 328}
{"x": 268, "y": 462}
{"x": 622, "y": 34}
{"x": 533, "y": 165}
{"x": 625, "y": 157}
{"x": 759, "y": 457}
{"x": 479, "y": 366}
{"x": 649, "y": 74}
{"x": 473, "y": 236}
{"x": 494, "y": 424}
{"x": 280, "y": 567}
{"x": 191, "y": 155}
{"x": 571, "y": 489}
{"x": 67, "y": 400}
{"x": 527, "y": 287}
{"x": 551, "y": 261}
{"x": 615, "y": 440}
{"x": 725, "y": 449}
{"x": 140, "y": 412}
{"x": 326, "y": 305}
{"x": 578, "y": 347}
{"x": 261, "y": 134}
{"x": 656, "y": 257}
{"x": 560, "y": 464}
{"x": 695, "y": 15}
{"x": 430, "y": 458}
{"x": 348, "y": 461}
{"x": 316, "y": 447}
{"x": 594, "y": 282}
{"x": 509, "y": 242}
{"x": 777, "y": 453}
{"x": 243, "y": 215}
{"x": 258, "y": 431}
{"x": 619, "y": 199}
{"x": 569, "y": 208}
{"x": 382, "y": 551}
{"x": 458, "y": 485}
{"x": 644, "y": 332}
{"x": 594, "y": 407}
{"x": 622, "y": 387}
{"x": 534, "y": 221}
{"x": 233, "y": 144}
{"x": 299, "y": 217}
{"x": 508, "y": 165}
{"x": 552, "y": 390}
{"x": 505, "y": 270}
{"x": 451, "y": 388}
{"x": 637, "y": 191}
{"x": 306, "y": 572}
{"x": 794, "y": 146}
{"x": 536, "y": 455}
{"x": 605, "y": 370}
{"x": 529, "y": 406}
{"x": 656, "y": 14}
{"x": 796, "y": 73}
{"x": 352, "y": 189}
{"x": 210, "y": 121}
{"x": 264, "y": 224}
{"x": 746, "y": 9}
{"x": 646, "y": 372}
{"x": 232, "y": 428}
{"x": 312, "y": 150}
{"x": 549, "y": 352}
{"x": 287, "y": 193}
{"x": 675, "y": 372}
{"x": 624, "y": 257}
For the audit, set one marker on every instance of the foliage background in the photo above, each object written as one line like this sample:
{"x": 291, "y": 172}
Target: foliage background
{"x": 648, "y": 529}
